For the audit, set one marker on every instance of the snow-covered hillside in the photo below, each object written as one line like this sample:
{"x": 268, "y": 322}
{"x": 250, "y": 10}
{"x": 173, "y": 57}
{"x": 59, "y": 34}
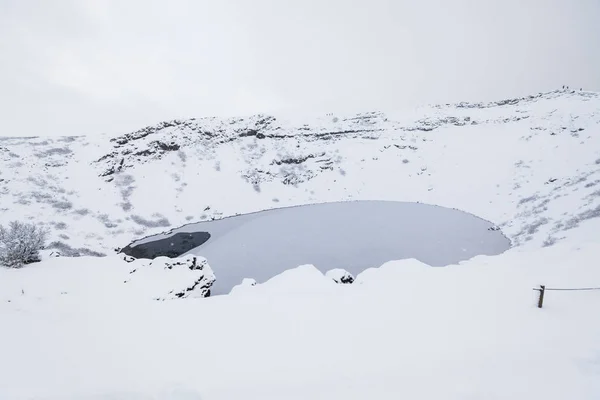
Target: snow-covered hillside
{"x": 530, "y": 165}
{"x": 115, "y": 328}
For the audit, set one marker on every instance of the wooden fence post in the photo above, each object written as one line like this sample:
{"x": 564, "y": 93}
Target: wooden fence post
{"x": 542, "y": 289}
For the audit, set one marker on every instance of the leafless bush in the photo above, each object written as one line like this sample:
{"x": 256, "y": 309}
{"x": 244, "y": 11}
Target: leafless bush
{"x": 159, "y": 222}
{"x": 68, "y": 251}
{"x": 62, "y": 204}
{"x": 55, "y": 151}
{"x": 21, "y": 243}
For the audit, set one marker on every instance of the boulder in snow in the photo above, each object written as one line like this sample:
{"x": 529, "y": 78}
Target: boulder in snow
{"x": 128, "y": 259}
{"x": 187, "y": 276}
{"x": 340, "y": 276}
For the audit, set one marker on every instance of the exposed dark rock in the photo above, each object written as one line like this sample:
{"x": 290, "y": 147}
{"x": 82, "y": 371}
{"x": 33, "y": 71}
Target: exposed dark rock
{"x": 296, "y": 160}
{"x": 249, "y": 132}
{"x": 108, "y": 172}
{"x": 340, "y": 276}
{"x": 292, "y": 160}
{"x": 109, "y": 155}
{"x": 167, "y": 147}
{"x": 145, "y": 152}
{"x": 203, "y": 276}
{"x": 202, "y": 285}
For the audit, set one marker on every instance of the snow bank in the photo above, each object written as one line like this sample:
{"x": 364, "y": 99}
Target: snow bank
{"x": 305, "y": 279}
{"x": 108, "y": 279}
{"x": 469, "y": 331}
{"x": 245, "y": 285}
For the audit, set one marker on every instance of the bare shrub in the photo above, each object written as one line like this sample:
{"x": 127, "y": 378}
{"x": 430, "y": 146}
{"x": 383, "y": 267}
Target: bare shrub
{"x": 38, "y": 180}
{"x": 60, "y": 226}
{"x": 575, "y": 220}
{"x": 21, "y": 243}
{"x": 55, "y": 151}
{"x": 124, "y": 180}
{"x": 529, "y": 199}
{"x": 533, "y": 227}
{"x": 105, "y": 219}
{"x": 592, "y": 184}
{"x": 159, "y": 222}
{"x": 68, "y": 251}
{"x": 62, "y": 205}
{"x": 67, "y": 139}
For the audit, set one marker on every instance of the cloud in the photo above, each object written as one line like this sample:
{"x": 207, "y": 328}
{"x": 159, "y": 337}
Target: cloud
{"x": 87, "y": 66}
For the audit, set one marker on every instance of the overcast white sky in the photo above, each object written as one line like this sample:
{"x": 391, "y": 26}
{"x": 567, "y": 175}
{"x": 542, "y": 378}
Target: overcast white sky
{"x": 90, "y": 66}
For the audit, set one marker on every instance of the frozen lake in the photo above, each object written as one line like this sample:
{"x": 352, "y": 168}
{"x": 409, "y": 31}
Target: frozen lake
{"x": 350, "y": 235}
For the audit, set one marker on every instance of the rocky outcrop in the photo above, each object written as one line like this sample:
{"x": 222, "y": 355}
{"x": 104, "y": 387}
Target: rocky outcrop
{"x": 340, "y": 276}
{"x": 188, "y": 276}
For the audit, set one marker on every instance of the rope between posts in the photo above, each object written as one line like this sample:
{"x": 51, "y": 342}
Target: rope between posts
{"x": 542, "y": 289}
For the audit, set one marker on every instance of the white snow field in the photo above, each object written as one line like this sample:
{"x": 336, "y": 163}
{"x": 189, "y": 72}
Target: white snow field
{"x": 405, "y": 330}
{"x": 113, "y": 328}
{"x": 349, "y": 235}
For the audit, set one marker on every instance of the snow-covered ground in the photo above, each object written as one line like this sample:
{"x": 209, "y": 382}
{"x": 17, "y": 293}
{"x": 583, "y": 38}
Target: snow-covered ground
{"x": 405, "y": 330}
{"x": 112, "y": 328}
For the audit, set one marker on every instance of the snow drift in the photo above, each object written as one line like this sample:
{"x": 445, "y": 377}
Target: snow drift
{"x": 404, "y": 330}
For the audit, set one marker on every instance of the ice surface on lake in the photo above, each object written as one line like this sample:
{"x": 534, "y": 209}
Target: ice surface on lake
{"x": 349, "y": 235}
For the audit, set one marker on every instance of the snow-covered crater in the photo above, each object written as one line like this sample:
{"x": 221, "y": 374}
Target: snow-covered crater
{"x": 350, "y": 235}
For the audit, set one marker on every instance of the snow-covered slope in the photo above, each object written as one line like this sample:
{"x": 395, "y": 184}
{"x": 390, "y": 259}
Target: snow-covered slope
{"x": 403, "y": 331}
{"x": 91, "y": 328}
{"x": 530, "y": 165}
